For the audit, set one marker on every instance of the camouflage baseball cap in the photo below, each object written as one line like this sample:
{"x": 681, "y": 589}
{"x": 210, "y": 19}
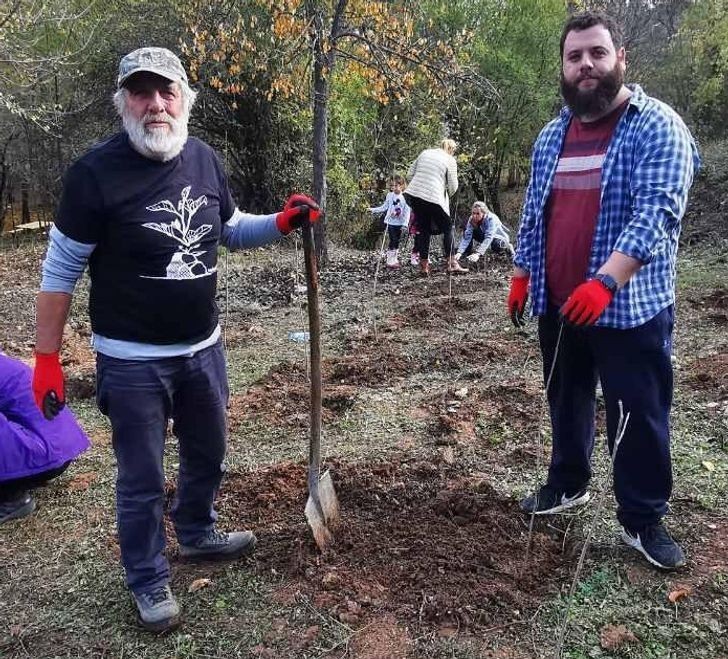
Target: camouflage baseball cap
{"x": 161, "y": 61}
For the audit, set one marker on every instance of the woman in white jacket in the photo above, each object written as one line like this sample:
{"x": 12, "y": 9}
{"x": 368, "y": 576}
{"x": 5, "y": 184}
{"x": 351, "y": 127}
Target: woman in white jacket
{"x": 433, "y": 178}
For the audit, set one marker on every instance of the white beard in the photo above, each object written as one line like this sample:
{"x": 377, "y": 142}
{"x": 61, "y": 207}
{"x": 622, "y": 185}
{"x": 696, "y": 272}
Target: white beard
{"x": 156, "y": 143}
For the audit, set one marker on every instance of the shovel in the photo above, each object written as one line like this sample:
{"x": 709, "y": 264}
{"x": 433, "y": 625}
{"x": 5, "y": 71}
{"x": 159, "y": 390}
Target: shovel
{"x": 322, "y": 507}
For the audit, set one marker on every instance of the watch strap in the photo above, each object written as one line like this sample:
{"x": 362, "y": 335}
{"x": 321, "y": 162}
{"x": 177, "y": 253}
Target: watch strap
{"x": 608, "y": 282}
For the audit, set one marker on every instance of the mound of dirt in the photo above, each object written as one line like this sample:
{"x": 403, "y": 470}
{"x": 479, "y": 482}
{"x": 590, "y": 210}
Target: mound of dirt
{"x": 418, "y": 540}
{"x": 376, "y": 367}
{"x": 472, "y": 352}
{"x": 709, "y": 375}
{"x": 282, "y": 398}
{"x": 714, "y": 304}
{"x": 422, "y": 314}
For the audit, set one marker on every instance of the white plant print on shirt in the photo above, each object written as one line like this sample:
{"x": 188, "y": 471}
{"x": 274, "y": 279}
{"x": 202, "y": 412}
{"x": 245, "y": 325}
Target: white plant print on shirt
{"x": 185, "y": 263}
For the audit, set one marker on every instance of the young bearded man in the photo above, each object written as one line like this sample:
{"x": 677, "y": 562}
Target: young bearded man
{"x": 597, "y": 249}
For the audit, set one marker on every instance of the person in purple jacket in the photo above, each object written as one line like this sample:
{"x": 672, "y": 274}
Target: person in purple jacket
{"x": 33, "y": 450}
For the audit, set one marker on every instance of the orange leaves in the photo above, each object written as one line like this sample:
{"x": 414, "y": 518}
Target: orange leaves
{"x": 286, "y": 26}
{"x": 283, "y": 85}
{"x": 680, "y": 591}
{"x": 265, "y": 47}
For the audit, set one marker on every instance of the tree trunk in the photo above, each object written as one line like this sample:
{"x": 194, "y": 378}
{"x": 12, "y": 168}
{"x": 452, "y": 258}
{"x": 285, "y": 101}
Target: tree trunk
{"x": 320, "y": 133}
{"x": 4, "y": 187}
{"x": 24, "y": 202}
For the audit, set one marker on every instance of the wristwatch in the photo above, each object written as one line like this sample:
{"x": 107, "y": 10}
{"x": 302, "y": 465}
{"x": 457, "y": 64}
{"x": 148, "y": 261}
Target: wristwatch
{"x": 608, "y": 282}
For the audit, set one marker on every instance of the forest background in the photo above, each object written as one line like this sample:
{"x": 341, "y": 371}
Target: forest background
{"x": 290, "y": 89}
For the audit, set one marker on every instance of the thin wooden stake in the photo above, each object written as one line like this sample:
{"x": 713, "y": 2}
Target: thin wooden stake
{"x": 621, "y": 429}
{"x": 376, "y": 278}
{"x": 544, "y": 404}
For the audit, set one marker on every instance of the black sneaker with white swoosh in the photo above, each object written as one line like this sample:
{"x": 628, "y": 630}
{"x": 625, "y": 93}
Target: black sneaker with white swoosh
{"x": 656, "y": 545}
{"x": 549, "y": 500}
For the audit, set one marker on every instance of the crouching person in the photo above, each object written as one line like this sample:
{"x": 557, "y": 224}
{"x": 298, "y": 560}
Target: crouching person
{"x": 146, "y": 210}
{"x": 33, "y": 450}
{"x": 484, "y": 227}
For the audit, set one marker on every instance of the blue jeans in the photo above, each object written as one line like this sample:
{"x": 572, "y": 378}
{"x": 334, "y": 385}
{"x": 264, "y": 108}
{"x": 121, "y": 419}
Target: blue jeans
{"x": 140, "y": 397}
{"x": 633, "y": 366}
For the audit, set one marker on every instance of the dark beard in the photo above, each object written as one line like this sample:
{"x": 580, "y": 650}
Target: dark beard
{"x": 593, "y": 102}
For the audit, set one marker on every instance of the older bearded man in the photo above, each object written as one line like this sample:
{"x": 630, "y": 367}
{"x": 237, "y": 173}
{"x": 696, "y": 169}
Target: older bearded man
{"x": 146, "y": 210}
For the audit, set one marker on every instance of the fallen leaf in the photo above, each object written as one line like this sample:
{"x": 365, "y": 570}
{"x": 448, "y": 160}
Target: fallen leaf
{"x": 82, "y": 481}
{"x": 612, "y": 637}
{"x": 462, "y": 393}
{"x": 448, "y": 455}
{"x": 709, "y": 466}
{"x": 679, "y": 592}
{"x": 198, "y": 584}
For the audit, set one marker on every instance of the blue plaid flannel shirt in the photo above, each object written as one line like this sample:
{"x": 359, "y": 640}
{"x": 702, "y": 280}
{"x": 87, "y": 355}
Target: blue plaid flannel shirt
{"x": 647, "y": 172}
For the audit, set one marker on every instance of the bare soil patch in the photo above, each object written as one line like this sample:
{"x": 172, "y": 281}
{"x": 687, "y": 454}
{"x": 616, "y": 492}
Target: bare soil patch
{"x": 709, "y": 374}
{"x": 711, "y": 553}
{"x": 458, "y": 411}
{"x": 419, "y": 540}
{"x": 382, "y": 638}
{"x": 422, "y": 314}
{"x": 282, "y": 397}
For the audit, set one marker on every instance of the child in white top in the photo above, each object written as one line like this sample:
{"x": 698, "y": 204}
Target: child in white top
{"x": 396, "y": 216}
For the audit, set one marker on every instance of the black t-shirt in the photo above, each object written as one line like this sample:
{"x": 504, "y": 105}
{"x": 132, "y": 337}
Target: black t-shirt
{"x": 156, "y": 226}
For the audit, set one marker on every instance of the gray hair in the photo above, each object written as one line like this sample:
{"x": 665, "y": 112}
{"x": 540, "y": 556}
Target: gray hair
{"x": 188, "y": 97}
{"x": 482, "y": 206}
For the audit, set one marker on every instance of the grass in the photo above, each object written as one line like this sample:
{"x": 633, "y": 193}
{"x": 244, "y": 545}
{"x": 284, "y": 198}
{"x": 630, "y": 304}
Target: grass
{"x": 61, "y": 587}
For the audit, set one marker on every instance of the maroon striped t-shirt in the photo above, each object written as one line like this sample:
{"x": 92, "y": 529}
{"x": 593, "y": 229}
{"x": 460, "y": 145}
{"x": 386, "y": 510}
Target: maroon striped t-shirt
{"x": 573, "y": 205}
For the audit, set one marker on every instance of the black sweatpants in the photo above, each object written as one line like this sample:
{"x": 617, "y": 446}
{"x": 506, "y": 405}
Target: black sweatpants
{"x": 633, "y": 366}
{"x": 431, "y": 218}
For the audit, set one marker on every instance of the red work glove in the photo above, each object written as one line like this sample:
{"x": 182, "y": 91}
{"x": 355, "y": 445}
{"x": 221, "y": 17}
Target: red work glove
{"x": 48, "y": 384}
{"x": 586, "y": 303}
{"x": 300, "y": 200}
{"x": 517, "y": 299}
{"x": 297, "y": 210}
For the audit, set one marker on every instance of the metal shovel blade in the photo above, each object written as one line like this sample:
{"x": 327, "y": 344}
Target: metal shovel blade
{"x": 322, "y": 510}
{"x": 329, "y": 500}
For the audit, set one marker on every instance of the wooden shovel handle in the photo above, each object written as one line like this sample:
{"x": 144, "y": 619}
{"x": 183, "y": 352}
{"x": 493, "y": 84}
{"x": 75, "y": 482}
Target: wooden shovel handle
{"x": 314, "y": 324}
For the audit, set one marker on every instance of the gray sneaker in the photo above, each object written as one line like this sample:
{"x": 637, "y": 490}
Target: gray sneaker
{"x": 219, "y": 546}
{"x": 158, "y": 609}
